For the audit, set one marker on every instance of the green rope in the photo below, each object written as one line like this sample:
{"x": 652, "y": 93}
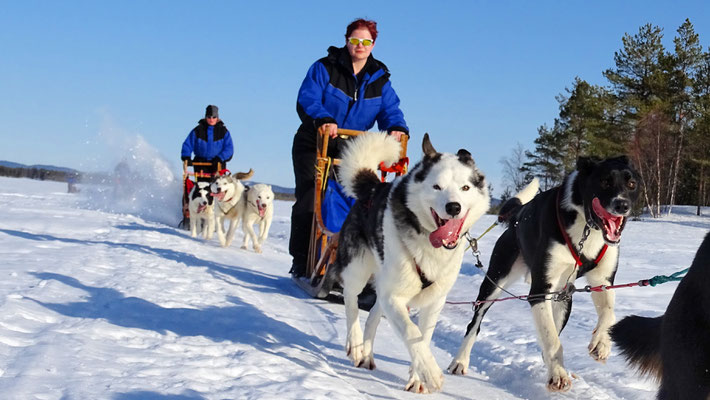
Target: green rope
{"x": 658, "y": 279}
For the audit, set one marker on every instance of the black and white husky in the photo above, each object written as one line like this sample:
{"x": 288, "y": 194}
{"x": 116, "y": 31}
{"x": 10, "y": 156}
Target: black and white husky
{"x": 569, "y": 231}
{"x": 407, "y": 234}
{"x": 675, "y": 347}
{"x": 201, "y": 208}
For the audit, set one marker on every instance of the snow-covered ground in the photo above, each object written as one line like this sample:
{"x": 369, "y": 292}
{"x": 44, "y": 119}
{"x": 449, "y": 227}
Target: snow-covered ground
{"x": 102, "y": 298}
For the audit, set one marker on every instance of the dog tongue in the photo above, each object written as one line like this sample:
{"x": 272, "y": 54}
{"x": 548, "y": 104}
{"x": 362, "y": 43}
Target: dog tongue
{"x": 447, "y": 233}
{"x": 611, "y": 222}
{"x": 219, "y": 196}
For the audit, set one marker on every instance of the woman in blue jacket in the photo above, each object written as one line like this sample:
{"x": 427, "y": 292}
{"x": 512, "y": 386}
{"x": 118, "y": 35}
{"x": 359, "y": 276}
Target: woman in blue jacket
{"x": 210, "y": 141}
{"x": 349, "y": 89}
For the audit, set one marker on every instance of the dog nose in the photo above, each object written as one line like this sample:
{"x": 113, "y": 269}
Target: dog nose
{"x": 453, "y": 208}
{"x": 621, "y": 206}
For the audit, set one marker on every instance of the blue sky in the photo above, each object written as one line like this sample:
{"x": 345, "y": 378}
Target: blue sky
{"x": 80, "y": 79}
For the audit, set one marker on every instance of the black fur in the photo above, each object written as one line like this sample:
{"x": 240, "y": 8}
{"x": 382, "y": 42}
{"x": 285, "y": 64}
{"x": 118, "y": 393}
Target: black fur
{"x": 676, "y": 346}
{"x": 533, "y": 228}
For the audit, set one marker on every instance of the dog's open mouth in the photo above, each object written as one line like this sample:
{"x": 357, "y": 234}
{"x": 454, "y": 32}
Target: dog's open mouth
{"x": 447, "y": 233}
{"x": 201, "y": 208}
{"x": 261, "y": 208}
{"x": 612, "y": 225}
{"x": 219, "y": 196}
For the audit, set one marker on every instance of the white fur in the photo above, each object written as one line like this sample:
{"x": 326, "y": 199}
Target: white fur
{"x": 205, "y": 219}
{"x": 228, "y": 208}
{"x": 366, "y": 152}
{"x": 259, "y": 195}
{"x": 398, "y": 284}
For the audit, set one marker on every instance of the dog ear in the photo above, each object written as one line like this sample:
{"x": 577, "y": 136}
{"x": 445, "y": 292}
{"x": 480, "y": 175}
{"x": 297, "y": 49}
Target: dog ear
{"x": 245, "y": 175}
{"x": 429, "y": 150}
{"x": 585, "y": 164}
{"x": 465, "y": 157}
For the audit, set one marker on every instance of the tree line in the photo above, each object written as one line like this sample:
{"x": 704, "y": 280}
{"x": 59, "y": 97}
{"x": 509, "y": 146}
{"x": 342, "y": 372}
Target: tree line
{"x": 655, "y": 109}
{"x": 39, "y": 173}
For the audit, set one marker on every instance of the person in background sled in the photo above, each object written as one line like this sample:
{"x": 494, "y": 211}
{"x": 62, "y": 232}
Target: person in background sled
{"x": 349, "y": 89}
{"x": 210, "y": 141}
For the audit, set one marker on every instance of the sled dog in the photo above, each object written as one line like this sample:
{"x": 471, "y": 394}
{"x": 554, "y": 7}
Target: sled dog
{"x": 407, "y": 234}
{"x": 227, "y": 190}
{"x": 201, "y": 208}
{"x": 258, "y": 207}
{"x": 675, "y": 347}
{"x": 566, "y": 232}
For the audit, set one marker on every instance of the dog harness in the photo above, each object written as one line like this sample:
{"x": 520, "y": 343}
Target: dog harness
{"x": 577, "y": 259}
{"x": 425, "y": 282}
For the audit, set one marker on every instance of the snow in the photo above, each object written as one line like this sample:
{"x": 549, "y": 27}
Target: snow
{"x": 102, "y": 298}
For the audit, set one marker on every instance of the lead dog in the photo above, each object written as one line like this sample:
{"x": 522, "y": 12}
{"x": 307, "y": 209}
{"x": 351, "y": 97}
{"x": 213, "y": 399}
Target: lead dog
{"x": 675, "y": 347}
{"x": 257, "y": 207}
{"x": 201, "y": 208}
{"x": 227, "y": 190}
{"x": 407, "y": 234}
{"x": 542, "y": 242}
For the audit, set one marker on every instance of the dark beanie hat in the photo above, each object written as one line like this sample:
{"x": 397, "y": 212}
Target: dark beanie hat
{"x": 212, "y": 111}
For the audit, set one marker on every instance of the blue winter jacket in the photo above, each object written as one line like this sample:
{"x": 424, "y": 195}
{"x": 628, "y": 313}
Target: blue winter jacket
{"x": 331, "y": 93}
{"x": 208, "y": 142}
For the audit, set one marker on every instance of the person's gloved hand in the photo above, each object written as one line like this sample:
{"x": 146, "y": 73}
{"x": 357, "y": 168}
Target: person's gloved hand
{"x": 185, "y": 158}
{"x": 217, "y": 160}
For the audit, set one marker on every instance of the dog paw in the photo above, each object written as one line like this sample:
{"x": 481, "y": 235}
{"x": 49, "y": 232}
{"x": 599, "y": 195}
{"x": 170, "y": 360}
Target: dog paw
{"x": 424, "y": 376}
{"x": 257, "y": 248}
{"x": 600, "y": 347}
{"x": 355, "y": 348}
{"x": 367, "y": 362}
{"x": 559, "y": 380}
{"x": 458, "y": 367}
{"x": 244, "y": 247}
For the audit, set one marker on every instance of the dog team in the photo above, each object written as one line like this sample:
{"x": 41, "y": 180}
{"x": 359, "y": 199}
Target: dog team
{"x": 406, "y": 237}
{"x": 226, "y": 198}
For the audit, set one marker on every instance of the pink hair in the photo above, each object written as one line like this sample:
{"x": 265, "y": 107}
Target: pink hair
{"x": 362, "y": 23}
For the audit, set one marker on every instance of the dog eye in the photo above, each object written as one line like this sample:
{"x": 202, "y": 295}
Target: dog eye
{"x": 631, "y": 185}
{"x": 437, "y": 187}
{"x": 465, "y": 188}
{"x": 604, "y": 183}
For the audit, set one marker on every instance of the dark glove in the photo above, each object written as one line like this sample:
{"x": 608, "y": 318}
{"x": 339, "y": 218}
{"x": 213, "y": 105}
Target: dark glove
{"x": 217, "y": 160}
{"x": 185, "y": 158}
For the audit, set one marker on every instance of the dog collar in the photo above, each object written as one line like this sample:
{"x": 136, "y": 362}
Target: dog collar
{"x": 577, "y": 259}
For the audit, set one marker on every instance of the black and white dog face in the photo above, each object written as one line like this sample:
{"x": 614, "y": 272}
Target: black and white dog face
{"x": 609, "y": 189}
{"x": 447, "y": 194}
{"x": 202, "y": 196}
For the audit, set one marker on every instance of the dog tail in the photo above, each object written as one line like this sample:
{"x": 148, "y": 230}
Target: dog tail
{"x": 639, "y": 339}
{"x": 358, "y": 166}
{"x": 513, "y": 204}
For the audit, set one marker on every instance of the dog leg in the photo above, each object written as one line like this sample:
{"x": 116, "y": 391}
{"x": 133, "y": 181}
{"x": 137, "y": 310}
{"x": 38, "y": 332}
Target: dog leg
{"x": 209, "y": 227}
{"x": 264, "y": 228}
{"x": 230, "y": 233}
{"x": 354, "y": 276}
{"x": 220, "y": 231}
{"x": 600, "y": 345}
{"x": 489, "y": 291}
{"x": 373, "y": 320}
{"x": 558, "y": 378}
{"x": 193, "y": 224}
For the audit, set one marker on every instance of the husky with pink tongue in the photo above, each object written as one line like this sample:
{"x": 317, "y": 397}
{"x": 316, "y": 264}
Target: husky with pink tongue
{"x": 407, "y": 234}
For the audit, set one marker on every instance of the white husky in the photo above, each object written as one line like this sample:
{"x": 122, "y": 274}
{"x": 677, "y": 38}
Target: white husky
{"x": 258, "y": 206}
{"x": 408, "y": 235}
{"x": 201, "y": 208}
{"x": 227, "y": 191}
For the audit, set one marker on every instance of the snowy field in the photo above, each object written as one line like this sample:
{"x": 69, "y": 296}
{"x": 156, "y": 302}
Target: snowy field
{"x": 102, "y": 298}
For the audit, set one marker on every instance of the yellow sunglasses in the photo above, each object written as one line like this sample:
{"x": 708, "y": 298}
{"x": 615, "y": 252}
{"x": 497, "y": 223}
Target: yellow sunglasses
{"x": 365, "y": 42}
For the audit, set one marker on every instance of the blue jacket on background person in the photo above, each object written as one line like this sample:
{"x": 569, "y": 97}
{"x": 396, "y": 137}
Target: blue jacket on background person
{"x": 209, "y": 140}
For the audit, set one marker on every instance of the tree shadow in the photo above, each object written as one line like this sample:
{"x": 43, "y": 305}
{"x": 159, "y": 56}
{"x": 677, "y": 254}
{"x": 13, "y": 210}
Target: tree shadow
{"x": 239, "y": 323}
{"x": 146, "y": 395}
{"x": 249, "y": 278}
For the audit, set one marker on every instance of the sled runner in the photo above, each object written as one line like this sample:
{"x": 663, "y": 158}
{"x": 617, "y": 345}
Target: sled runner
{"x": 189, "y": 179}
{"x": 331, "y": 206}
